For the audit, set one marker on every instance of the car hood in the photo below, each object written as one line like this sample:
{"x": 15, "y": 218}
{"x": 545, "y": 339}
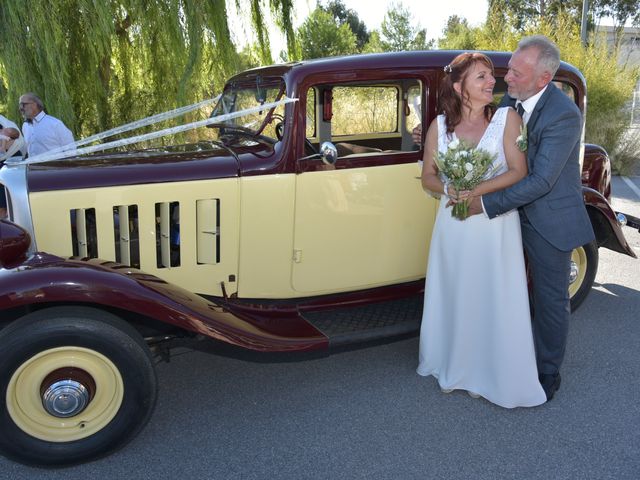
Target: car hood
{"x": 171, "y": 164}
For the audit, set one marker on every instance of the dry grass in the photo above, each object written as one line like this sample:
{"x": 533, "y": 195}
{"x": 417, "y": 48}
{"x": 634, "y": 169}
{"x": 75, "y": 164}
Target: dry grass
{"x": 625, "y": 159}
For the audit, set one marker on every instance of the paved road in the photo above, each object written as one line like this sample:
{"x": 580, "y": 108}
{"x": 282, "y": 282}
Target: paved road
{"x": 366, "y": 414}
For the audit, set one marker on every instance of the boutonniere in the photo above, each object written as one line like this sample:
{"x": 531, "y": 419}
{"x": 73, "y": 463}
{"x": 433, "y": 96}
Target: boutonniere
{"x": 521, "y": 141}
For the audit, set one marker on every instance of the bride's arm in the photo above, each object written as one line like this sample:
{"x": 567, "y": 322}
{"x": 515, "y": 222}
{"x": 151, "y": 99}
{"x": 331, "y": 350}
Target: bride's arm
{"x": 516, "y": 160}
{"x": 430, "y": 179}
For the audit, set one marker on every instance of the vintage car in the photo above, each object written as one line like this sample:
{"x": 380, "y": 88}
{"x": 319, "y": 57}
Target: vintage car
{"x": 299, "y": 225}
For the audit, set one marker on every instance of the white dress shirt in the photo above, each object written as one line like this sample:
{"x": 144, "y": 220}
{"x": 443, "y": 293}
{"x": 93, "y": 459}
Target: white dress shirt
{"x": 46, "y": 133}
{"x": 529, "y": 104}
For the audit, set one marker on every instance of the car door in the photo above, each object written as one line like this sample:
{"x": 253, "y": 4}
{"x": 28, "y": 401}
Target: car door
{"x": 365, "y": 221}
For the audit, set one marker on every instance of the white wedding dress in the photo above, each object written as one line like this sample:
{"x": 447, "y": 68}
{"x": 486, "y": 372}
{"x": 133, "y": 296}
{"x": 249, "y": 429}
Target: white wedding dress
{"x": 476, "y": 327}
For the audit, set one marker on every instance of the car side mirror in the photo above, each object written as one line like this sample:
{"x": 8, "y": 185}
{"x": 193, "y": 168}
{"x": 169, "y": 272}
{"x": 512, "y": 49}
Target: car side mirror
{"x": 328, "y": 153}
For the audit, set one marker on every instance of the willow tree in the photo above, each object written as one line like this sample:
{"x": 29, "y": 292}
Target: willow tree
{"x": 100, "y": 64}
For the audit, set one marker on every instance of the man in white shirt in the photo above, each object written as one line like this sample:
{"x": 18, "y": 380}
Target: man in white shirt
{"x": 41, "y": 131}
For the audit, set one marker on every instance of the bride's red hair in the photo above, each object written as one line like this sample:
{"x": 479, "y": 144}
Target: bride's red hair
{"x": 450, "y": 102}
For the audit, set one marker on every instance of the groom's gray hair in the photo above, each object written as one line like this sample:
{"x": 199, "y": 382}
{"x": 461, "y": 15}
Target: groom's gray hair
{"x": 549, "y": 53}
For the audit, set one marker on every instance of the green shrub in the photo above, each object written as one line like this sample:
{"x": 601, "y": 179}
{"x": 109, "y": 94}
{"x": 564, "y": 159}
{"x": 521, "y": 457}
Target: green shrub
{"x": 609, "y": 85}
{"x": 625, "y": 158}
{"x": 609, "y": 88}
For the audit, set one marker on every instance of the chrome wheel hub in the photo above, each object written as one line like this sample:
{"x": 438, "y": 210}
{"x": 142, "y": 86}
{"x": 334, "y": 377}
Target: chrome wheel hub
{"x": 66, "y": 392}
{"x": 573, "y": 272}
{"x": 65, "y": 398}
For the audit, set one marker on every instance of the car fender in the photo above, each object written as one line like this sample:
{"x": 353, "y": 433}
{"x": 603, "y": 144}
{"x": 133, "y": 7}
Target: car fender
{"x": 605, "y": 223}
{"x": 44, "y": 279}
{"x": 596, "y": 170}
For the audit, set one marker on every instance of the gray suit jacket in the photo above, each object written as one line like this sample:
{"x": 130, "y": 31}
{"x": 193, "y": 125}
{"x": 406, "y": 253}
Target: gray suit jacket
{"x": 551, "y": 194}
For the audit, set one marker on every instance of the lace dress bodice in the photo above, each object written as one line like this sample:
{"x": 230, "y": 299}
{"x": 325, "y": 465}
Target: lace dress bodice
{"x": 491, "y": 141}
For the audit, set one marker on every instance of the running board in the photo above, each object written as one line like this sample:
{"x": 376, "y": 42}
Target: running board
{"x": 365, "y": 323}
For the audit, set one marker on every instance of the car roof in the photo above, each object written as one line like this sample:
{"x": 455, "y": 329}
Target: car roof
{"x": 431, "y": 59}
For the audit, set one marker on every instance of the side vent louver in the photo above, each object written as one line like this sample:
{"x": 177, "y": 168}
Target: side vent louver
{"x": 126, "y": 236}
{"x": 197, "y": 243}
{"x": 208, "y": 231}
{"x": 83, "y": 232}
{"x": 168, "y": 234}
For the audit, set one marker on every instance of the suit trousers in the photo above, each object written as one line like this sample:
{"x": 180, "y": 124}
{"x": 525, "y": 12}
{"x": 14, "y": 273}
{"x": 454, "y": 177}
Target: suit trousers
{"x": 549, "y": 268}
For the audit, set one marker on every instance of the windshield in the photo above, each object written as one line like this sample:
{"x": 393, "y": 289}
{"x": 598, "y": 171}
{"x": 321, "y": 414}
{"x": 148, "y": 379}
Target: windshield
{"x": 253, "y": 124}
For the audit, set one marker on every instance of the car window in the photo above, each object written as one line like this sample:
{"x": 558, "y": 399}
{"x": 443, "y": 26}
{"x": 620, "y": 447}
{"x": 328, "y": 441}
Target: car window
{"x": 567, "y": 89}
{"x": 311, "y": 114}
{"x": 249, "y": 123}
{"x": 364, "y": 110}
{"x": 364, "y": 118}
{"x": 414, "y": 97}
{"x": 501, "y": 88}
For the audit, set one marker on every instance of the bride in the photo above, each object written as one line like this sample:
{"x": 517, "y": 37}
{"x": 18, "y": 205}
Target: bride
{"x": 476, "y": 327}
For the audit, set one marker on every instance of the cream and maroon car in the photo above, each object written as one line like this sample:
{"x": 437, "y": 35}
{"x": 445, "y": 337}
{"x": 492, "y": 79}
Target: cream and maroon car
{"x": 297, "y": 225}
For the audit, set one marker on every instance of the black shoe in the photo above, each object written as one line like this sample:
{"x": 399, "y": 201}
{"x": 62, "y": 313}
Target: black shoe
{"x": 550, "y": 384}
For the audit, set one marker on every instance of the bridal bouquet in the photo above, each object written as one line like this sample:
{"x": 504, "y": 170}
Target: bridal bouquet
{"x": 464, "y": 168}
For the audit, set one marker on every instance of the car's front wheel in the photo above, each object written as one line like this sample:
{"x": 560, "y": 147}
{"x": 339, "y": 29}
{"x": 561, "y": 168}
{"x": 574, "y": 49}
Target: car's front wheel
{"x": 75, "y": 384}
{"x": 584, "y": 266}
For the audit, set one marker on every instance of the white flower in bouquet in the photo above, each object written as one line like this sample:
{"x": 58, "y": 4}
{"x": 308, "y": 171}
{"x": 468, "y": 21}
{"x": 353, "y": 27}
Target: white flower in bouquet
{"x": 464, "y": 167}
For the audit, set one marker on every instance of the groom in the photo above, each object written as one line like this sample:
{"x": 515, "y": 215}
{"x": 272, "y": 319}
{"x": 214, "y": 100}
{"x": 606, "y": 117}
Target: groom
{"x": 552, "y": 214}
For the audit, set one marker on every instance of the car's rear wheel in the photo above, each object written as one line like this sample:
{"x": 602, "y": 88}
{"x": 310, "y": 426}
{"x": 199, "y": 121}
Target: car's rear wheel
{"x": 75, "y": 384}
{"x": 584, "y": 266}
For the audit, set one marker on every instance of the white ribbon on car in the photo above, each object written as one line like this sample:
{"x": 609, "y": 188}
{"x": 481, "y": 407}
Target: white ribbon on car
{"x": 159, "y": 117}
{"x": 71, "y": 150}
